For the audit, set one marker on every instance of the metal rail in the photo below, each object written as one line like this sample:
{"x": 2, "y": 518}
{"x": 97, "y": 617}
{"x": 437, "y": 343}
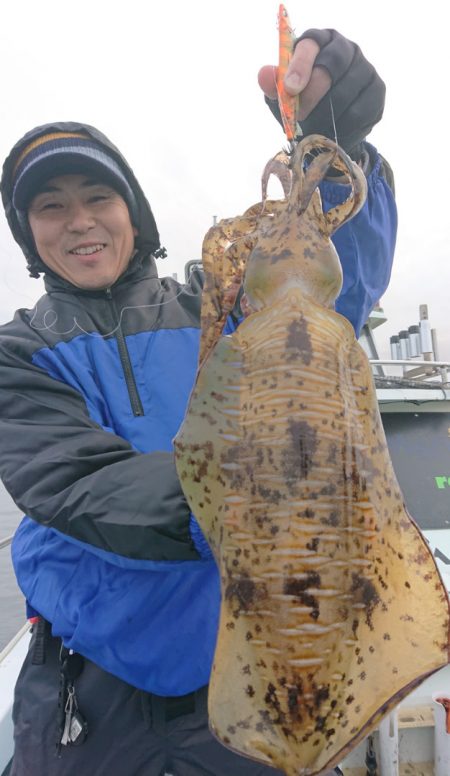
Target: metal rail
{"x": 409, "y": 362}
{"x": 15, "y": 640}
{"x": 420, "y": 370}
{"x": 6, "y": 541}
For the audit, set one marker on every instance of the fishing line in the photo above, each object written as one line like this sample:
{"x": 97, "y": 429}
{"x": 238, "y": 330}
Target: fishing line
{"x": 77, "y": 325}
{"x": 333, "y": 121}
{"x": 334, "y": 131}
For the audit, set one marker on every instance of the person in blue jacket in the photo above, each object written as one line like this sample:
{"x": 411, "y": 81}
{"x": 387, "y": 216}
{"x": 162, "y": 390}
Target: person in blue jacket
{"x": 94, "y": 383}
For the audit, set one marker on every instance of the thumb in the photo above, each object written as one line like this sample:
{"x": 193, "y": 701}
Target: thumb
{"x": 300, "y": 68}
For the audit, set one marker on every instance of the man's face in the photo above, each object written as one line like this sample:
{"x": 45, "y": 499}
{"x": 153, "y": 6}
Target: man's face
{"x": 82, "y": 230}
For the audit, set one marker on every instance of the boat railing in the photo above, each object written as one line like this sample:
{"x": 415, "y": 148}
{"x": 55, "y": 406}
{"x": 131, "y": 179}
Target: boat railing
{"x": 415, "y": 369}
{"x": 6, "y": 541}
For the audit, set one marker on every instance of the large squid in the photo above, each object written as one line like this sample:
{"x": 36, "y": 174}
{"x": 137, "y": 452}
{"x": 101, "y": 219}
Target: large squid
{"x": 332, "y": 605}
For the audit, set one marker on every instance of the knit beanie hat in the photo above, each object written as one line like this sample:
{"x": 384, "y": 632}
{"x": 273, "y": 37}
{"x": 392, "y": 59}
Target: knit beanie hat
{"x": 62, "y": 153}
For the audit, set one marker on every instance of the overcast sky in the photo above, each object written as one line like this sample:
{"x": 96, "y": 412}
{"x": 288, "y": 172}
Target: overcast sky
{"x": 173, "y": 84}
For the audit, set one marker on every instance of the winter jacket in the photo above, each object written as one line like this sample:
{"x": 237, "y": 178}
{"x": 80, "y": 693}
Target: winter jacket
{"x": 93, "y": 388}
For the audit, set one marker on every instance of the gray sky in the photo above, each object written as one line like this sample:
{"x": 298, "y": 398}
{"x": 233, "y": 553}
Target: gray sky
{"x": 173, "y": 84}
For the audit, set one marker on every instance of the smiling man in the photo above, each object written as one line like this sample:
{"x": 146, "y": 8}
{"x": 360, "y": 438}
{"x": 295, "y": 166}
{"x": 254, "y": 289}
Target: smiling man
{"x": 82, "y": 230}
{"x": 94, "y": 382}
{"x": 85, "y": 213}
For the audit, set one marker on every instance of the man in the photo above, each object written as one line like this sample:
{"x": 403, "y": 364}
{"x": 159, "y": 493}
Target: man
{"x": 93, "y": 387}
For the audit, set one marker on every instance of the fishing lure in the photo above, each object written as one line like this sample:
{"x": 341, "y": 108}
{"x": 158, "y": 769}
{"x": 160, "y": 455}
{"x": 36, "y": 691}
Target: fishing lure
{"x": 288, "y": 105}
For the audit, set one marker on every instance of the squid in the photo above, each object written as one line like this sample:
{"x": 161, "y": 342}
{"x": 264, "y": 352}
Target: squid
{"x": 332, "y": 607}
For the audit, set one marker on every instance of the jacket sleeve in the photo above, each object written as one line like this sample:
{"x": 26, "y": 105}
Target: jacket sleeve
{"x": 66, "y": 472}
{"x": 365, "y": 245}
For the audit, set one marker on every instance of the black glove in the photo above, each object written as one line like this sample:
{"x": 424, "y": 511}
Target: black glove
{"x": 357, "y": 93}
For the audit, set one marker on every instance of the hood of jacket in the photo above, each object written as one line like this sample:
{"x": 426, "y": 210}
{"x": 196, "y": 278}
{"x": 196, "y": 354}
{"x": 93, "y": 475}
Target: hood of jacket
{"x": 147, "y": 241}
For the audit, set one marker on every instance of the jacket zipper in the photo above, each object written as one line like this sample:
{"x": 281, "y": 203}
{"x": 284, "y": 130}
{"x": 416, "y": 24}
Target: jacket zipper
{"x": 133, "y": 393}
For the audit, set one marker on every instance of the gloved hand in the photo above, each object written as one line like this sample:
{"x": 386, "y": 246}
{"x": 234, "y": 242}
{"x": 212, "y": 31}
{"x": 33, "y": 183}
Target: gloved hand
{"x": 324, "y": 65}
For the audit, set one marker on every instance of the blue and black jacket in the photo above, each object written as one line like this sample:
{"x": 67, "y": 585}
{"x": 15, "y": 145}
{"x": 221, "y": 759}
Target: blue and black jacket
{"x": 93, "y": 388}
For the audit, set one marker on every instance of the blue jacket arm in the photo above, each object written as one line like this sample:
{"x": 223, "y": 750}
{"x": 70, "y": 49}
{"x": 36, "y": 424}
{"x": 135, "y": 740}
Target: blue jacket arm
{"x": 365, "y": 246}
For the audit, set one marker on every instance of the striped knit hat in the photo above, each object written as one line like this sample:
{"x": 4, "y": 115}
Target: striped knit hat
{"x": 62, "y": 153}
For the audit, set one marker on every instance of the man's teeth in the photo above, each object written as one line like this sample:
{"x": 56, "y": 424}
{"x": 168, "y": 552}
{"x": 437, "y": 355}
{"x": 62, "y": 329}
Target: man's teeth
{"x": 88, "y": 250}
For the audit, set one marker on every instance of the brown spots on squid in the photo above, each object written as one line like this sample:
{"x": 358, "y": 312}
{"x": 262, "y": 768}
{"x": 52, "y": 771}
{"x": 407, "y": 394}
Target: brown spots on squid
{"x": 265, "y": 723}
{"x": 198, "y": 466}
{"x": 296, "y": 587}
{"x": 276, "y": 257}
{"x": 421, "y": 557}
{"x": 218, "y": 396}
{"x": 209, "y": 417}
{"x": 298, "y": 340}
{"x": 365, "y": 592}
{"x": 244, "y": 724}
{"x": 278, "y": 717}
{"x": 243, "y": 594}
{"x": 332, "y": 519}
{"x": 328, "y": 490}
{"x": 299, "y": 589}
{"x": 293, "y": 703}
{"x": 321, "y": 694}
{"x": 273, "y": 495}
{"x": 298, "y": 457}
